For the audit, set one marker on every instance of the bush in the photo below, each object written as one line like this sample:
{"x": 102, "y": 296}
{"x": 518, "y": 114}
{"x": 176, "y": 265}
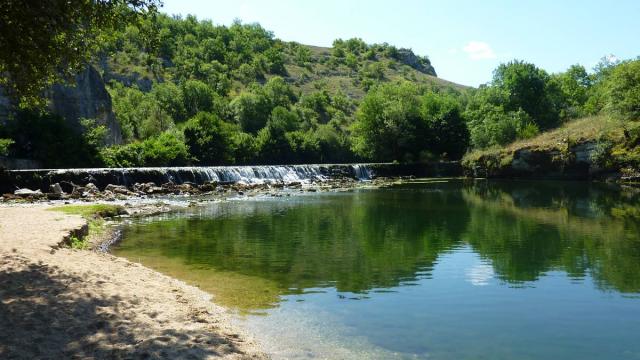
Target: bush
{"x": 167, "y": 149}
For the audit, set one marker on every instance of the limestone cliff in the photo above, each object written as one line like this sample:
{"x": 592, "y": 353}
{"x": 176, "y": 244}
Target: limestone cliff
{"x": 88, "y": 98}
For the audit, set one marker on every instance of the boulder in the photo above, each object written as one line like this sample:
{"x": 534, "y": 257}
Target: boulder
{"x": 27, "y": 192}
{"x": 55, "y": 189}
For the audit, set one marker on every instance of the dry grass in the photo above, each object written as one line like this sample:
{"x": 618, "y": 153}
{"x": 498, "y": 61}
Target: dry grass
{"x": 573, "y": 132}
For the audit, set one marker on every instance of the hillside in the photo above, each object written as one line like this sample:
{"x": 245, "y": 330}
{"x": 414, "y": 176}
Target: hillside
{"x": 351, "y": 67}
{"x": 183, "y": 91}
{"x": 596, "y": 147}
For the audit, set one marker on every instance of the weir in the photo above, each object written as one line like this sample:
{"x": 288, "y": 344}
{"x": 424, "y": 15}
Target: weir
{"x": 11, "y": 180}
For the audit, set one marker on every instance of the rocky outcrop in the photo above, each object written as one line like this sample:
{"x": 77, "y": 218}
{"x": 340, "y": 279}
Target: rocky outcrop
{"x": 422, "y": 64}
{"x": 88, "y": 98}
{"x": 574, "y": 163}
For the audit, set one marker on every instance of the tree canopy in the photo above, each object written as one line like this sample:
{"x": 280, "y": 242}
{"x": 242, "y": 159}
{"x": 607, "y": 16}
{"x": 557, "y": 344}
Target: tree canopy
{"x": 51, "y": 40}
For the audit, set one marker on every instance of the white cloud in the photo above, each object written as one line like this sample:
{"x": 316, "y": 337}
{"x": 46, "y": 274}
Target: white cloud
{"x": 478, "y": 50}
{"x": 480, "y": 274}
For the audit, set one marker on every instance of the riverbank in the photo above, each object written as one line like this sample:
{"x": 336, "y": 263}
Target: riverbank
{"x": 58, "y": 302}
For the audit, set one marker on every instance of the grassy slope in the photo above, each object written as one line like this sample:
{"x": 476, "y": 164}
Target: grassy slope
{"x": 318, "y": 75}
{"x": 624, "y": 150}
{"x": 314, "y": 76}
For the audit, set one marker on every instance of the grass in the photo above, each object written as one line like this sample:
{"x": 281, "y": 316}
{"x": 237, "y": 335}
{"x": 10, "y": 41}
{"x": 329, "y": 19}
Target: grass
{"x": 591, "y": 128}
{"x": 91, "y": 211}
{"x": 95, "y": 215}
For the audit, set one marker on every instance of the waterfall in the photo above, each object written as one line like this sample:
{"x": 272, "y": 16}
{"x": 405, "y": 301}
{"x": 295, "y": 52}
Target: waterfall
{"x": 221, "y": 174}
{"x": 362, "y": 172}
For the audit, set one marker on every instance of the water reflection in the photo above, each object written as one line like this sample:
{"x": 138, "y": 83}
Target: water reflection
{"x": 250, "y": 253}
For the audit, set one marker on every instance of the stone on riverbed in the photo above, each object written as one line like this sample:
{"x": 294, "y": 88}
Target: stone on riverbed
{"x": 27, "y": 192}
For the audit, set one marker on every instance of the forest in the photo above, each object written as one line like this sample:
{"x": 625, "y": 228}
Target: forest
{"x": 187, "y": 92}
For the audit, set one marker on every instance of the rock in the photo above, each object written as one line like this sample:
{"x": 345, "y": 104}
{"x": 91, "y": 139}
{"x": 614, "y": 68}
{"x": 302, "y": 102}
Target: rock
{"x": 422, "y": 64}
{"x": 77, "y": 191}
{"x": 67, "y": 186}
{"x": 90, "y": 187}
{"x": 27, "y": 192}
{"x": 89, "y": 99}
{"x": 56, "y": 189}
{"x": 117, "y": 189}
{"x": 54, "y": 196}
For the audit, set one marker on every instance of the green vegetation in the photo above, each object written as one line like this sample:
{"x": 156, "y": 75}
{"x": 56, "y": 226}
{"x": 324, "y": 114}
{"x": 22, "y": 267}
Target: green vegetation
{"x": 188, "y": 92}
{"x": 95, "y": 215}
{"x": 91, "y": 211}
{"x": 382, "y": 239}
{"x": 50, "y": 40}
{"x": 4, "y": 146}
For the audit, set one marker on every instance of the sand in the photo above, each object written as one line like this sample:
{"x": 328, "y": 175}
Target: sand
{"x": 57, "y": 302}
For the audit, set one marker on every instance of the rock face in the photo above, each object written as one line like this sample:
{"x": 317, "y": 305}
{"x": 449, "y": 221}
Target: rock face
{"x": 422, "y": 64}
{"x": 88, "y": 98}
{"x": 574, "y": 163}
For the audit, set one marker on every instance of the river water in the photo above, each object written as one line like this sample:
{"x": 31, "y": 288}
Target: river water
{"x": 433, "y": 269}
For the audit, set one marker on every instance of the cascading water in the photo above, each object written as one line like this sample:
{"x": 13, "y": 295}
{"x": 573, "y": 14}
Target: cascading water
{"x": 221, "y": 174}
{"x": 362, "y": 172}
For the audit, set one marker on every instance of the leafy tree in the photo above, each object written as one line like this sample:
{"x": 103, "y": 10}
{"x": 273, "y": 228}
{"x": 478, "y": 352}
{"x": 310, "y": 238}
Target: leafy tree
{"x": 527, "y": 88}
{"x": 447, "y": 132}
{"x": 166, "y": 149}
{"x": 272, "y": 142}
{"x": 210, "y": 140}
{"x": 623, "y": 90}
{"x": 170, "y": 100}
{"x": 245, "y": 148}
{"x": 50, "y": 140}
{"x": 198, "y": 97}
{"x": 46, "y": 41}
{"x": 574, "y": 86}
{"x": 140, "y": 114}
{"x": 388, "y": 123}
{"x": 304, "y": 147}
{"x": 251, "y": 111}
{"x": 490, "y": 125}
{"x": 278, "y": 93}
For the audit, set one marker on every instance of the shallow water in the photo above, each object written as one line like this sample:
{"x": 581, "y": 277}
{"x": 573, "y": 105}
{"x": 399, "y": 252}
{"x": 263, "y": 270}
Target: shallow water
{"x": 432, "y": 269}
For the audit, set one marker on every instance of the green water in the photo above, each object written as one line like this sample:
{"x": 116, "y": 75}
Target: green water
{"x": 437, "y": 270}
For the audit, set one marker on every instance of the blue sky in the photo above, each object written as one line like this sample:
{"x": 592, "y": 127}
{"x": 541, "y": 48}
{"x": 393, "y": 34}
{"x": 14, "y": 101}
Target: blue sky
{"x": 465, "y": 40}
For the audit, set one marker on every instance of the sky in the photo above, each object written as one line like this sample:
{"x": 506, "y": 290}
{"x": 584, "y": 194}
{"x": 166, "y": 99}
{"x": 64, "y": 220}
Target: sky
{"x": 464, "y": 39}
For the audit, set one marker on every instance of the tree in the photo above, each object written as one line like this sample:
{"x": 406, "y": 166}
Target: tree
{"x": 527, "y": 88}
{"x": 170, "y": 99}
{"x": 447, "y": 132}
{"x": 198, "y": 96}
{"x": 273, "y": 144}
{"x": 573, "y": 86}
{"x": 251, "y": 111}
{"x": 622, "y": 88}
{"x": 46, "y": 41}
{"x": 210, "y": 139}
{"x": 388, "y": 123}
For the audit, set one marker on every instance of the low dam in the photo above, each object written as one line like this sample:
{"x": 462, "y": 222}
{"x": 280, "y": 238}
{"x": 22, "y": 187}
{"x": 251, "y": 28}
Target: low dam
{"x": 11, "y": 180}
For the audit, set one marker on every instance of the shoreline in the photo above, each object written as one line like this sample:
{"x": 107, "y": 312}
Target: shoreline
{"x": 59, "y": 302}
{"x": 103, "y": 305}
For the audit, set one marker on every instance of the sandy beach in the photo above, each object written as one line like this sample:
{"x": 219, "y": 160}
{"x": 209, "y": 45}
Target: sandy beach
{"x": 57, "y": 302}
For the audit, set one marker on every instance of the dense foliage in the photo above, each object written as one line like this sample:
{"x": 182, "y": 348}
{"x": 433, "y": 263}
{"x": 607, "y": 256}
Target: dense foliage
{"x": 186, "y": 91}
{"x": 44, "y": 41}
